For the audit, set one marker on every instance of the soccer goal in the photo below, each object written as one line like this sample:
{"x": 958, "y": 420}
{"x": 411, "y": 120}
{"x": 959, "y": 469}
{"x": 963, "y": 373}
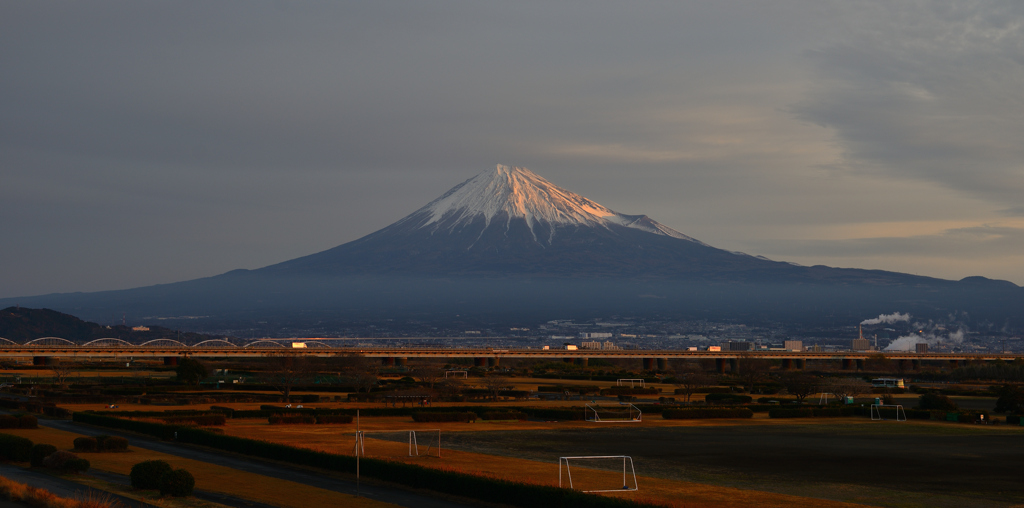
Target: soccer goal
{"x": 633, "y": 383}
{"x": 823, "y": 398}
{"x": 392, "y": 443}
{"x": 602, "y": 471}
{"x": 622, "y": 413}
{"x": 876, "y": 412}
{"x": 462, "y": 374}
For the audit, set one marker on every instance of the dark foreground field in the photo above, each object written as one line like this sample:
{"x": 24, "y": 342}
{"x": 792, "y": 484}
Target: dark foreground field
{"x": 880, "y": 463}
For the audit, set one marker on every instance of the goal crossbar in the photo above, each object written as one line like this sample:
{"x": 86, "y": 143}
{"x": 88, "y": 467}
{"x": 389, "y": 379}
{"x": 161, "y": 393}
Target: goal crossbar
{"x": 456, "y": 373}
{"x": 632, "y": 382}
{"x": 414, "y": 447}
{"x": 625, "y": 475}
{"x": 630, "y": 413}
{"x": 876, "y": 413}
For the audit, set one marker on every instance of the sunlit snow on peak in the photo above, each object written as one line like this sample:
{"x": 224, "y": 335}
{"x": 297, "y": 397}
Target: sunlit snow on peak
{"x": 509, "y": 192}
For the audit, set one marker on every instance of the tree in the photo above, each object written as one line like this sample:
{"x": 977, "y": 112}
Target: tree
{"x": 449, "y": 388}
{"x": 800, "y": 385}
{"x": 430, "y": 374}
{"x": 287, "y": 370}
{"x": 496, "y": 384}
{"x": 358, "y": 371}
{"x": 936, "y": 401}
{"x": 62, "y": 370}
{"x": 753, "y": 371}
{"x": 1011, "y": 400}
{"x": 190, "y": 371}
{"x": 690, "y": 378}
{"x": 845, "y": 387}
{"x": 879, "y": 363}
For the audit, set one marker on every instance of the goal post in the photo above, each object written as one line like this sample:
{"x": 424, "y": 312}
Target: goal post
{"x": 432, "y": 446}
{"x": 461, "y": 374}
{"x": 876, "y": 412}
{"x": 623, "y": 413}
{"x": 628, "y": 472}
{"x": 632, "y": 382}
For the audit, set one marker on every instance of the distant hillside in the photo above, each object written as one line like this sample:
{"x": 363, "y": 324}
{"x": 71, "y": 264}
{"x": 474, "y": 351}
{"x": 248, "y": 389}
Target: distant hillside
{"x": 20, "y": 324}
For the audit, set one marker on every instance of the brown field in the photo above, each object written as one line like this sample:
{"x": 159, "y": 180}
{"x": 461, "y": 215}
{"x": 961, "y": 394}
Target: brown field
{"x": 821, "y": 462}
{"x": 209, "y": 477}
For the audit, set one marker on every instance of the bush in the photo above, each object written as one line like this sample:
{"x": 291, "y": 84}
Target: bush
{"x": 700, "y": 413}
{"x": 146, "y": 475}
{"x": 15, "y": 448}
{"x": 58, "y": 460}
{"x": 285, "y": 419}
{"x": 444, "y": 417}
{"x": 727, "y": 398}
{"x": 28, "y": 422}
{"x": 77, "y": 465}
{"x": 40, "y": 452}
{"x": 112, "y": 444}
{"x": 86, "y": 444}
{"x": 177, "y": 483}
{"x": 9, "y": 422}
{"x": 322, "y": 419}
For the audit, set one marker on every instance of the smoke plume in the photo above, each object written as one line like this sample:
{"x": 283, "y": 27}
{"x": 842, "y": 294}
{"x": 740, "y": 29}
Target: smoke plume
{"x": 910, "y": 342}
{"x": 888, "y": 319}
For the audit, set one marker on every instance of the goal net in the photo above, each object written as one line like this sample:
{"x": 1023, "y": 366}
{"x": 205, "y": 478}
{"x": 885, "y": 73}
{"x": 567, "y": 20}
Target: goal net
{"x": 888, "y": 411}
{"x": 633, "y": 383}
{"x": 460, "y": 374}
{"x": 398, "y": 443}
{"x": 622, "y": 413}
{"x": 601, "y": 473}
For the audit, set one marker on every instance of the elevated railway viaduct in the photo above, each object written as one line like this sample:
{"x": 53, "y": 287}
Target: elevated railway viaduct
{"x": 652, "y": 359}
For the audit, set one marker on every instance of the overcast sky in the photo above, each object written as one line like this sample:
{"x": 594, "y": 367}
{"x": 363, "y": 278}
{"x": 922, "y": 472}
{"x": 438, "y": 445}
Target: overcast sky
{"x": 152, "y": 142}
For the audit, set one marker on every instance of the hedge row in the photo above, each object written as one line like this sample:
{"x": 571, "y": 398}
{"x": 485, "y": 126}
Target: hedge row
{"x": 465, "y": 416}
{"x": 504, "y": 415}
{"x": 18, "y": 422}
{"x": 580, "y": 389}
{"x": 15, "y": 448}
{"x": 698, "y": 413}
{"x": 412, "y": 475}
{"x": 625, "y": 390}
{"x": 198, "y": 420}
{"x": 727, "y": 398}
{"x": 291, "y": 419}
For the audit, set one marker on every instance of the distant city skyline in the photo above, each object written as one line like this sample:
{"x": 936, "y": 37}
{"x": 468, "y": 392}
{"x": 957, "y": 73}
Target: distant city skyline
{"x": 159, "y": 142}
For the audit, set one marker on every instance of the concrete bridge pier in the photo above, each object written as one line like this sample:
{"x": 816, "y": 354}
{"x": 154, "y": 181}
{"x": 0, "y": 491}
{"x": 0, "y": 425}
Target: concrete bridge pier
{"x": 41, "y": 360}
{"x": 800, "y": 364}
{"x": 568, "y": 359}
{"x": 662, "y": 364}
{"x": 734, "y": 365}
{"x": 916, "y": 364}
{"x": 860, "y": 364}
{"x": 787, "y": 364}
{"x": 492, "y": 361}
{"x": 170, "y": 360}
{"x": 583, "y": 361}
{"x": 648, "y": 363}
{"x": 480, "y": 361}
{"x": 720, "y": 365}
{"x": 388, "y": 361}
{"x": 956, "y": 363}
{"x": 847, "y": 363}
{"x": 401, "y": 361}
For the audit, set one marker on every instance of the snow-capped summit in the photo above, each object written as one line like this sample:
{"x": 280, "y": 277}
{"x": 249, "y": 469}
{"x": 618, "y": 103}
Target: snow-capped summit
{"x": 508, "y": 193}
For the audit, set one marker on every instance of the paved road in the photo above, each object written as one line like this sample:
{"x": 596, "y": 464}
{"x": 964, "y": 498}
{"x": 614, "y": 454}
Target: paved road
{"x": 62, "y": 487}
{"x": 257, "y": 466}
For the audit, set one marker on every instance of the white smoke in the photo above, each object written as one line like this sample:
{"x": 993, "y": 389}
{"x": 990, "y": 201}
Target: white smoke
{"x": 910, "y": 342}
{"x": 888, "y": 319}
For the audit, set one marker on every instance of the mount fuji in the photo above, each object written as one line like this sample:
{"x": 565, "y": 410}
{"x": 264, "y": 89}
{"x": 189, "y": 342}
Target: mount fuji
{"x": 509, "y": 245}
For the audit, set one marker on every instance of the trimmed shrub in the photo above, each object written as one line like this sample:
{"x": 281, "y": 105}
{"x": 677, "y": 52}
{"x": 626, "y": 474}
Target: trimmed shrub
{"x": 86, "y": 444}
{"x": 936, "y": 401}
{"x": 77, "y": 465}
{"x": 1013, "y": 419}
{"x": 228, "y": 412}
{"x": 114, "y": 444}
{"x": 15, "y": 448}
{"x": 700, "y": 413}
{"x": 58, "y": 460}
{"x": 286, "y": 419}
{"x": 146, "y": 475}
{"x": 40, "y": 452}
{"x": 504, "y": 415}
{"x": 727, "y": 398}
{"x": 177, "y": 483}
{"x": 9, "y": 422}
{"x": 444, "y": 417}
{"x": 322, "y": 419}
{"x": 28, "y": 422}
